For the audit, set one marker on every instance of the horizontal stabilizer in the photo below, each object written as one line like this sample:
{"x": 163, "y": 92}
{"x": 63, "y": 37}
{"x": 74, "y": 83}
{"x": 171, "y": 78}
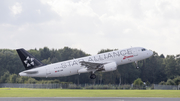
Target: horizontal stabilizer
{"x": 31, "y": 72}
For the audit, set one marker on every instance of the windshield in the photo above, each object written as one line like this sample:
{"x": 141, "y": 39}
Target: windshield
{"x": 143, "y": 49}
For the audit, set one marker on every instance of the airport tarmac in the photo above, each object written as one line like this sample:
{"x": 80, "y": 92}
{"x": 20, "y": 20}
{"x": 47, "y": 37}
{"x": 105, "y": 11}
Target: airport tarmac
{"x": 86, "y": 99}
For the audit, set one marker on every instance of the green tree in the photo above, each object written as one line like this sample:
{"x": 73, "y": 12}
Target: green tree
{"x": 152, "y": 69}
{"x": 177, "y": 80}
{"x": 46, "y": 61}
{"x": 13, "y": 78}
{"x": 5, "y": 77}
{"x": 56, "y": 81}
{"x": 170, "y": 82}
{"x": 138, "y": 82}
{"x": 171, "y": 68}
{"x": 31, "y": 81}
{"x": 19, "y": 80}
{"x": 162, "y": 83}
{"x": 45, "y": 53}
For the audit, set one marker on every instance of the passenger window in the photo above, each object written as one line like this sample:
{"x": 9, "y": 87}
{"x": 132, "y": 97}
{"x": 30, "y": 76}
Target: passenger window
{"x": 143, "y": 49}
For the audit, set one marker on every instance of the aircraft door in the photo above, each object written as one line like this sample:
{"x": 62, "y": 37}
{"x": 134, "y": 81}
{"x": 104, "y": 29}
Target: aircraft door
{"x": 48, "y": 72}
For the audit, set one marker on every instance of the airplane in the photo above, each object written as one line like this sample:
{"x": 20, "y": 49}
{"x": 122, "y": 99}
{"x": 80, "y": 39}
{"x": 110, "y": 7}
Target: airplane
{"x": 104, "y": 62}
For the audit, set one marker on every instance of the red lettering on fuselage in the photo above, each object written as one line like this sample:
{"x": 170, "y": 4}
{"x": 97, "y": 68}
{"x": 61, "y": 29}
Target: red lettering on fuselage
{"x": 125, "y": 57}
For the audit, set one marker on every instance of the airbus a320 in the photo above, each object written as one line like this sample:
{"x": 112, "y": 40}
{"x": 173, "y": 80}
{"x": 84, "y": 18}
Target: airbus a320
{"x": 104, "y": 62}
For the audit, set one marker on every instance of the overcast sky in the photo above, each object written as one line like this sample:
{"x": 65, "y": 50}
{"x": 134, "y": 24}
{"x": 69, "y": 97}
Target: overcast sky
{"x": 91, "y": 25}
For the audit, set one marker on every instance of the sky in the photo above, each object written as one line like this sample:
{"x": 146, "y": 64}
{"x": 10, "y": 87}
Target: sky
{"x": 91, "y": 25}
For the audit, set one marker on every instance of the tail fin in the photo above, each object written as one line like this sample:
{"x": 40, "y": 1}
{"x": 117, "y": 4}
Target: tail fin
{"x": 28, "y": 60}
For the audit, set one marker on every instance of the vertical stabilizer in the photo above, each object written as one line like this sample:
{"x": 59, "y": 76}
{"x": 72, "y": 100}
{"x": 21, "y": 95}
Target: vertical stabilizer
{"x": 28, "y": 60}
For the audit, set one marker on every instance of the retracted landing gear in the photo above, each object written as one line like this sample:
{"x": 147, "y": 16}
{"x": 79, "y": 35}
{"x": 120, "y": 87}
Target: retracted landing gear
{"x": 136, "y": 64}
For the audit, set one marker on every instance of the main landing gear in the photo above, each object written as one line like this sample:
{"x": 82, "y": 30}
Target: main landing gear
{"x": 92, "y": 76}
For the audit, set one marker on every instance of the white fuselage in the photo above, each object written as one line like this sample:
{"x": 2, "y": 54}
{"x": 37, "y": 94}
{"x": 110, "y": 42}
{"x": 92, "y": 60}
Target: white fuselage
{"x": 71, "y": 67}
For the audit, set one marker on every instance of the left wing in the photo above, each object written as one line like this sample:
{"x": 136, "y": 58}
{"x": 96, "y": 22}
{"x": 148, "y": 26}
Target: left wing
{"x": 92, "y": 65}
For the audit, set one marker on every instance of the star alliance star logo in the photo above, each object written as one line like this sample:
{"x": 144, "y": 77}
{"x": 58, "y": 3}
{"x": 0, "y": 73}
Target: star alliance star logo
{"x": 29, "y": 61}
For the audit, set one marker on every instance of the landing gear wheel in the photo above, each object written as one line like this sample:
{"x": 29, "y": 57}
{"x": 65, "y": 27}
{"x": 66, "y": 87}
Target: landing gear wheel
{"x": 93, "y": 76}
{"x": 136, "y": 64}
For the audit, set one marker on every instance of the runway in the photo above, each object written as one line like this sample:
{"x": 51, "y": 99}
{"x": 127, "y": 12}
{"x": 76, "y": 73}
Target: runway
{"x": 86, "y": 99}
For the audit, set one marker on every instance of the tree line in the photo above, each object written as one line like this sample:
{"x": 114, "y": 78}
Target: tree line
{"x": 156, "y": 69}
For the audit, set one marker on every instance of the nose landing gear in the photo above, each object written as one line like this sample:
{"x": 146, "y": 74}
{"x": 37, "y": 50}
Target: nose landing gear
{"x": 136, "y": 64}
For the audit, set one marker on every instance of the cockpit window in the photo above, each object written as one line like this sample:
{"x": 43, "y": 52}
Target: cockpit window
{"x": 143, "y": 49}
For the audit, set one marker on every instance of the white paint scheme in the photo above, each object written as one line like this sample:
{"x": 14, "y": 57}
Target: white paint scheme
{"x": 72, "y": 67}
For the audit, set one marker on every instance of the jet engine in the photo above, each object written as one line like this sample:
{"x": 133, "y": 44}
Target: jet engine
{"x": 110, "y": 67}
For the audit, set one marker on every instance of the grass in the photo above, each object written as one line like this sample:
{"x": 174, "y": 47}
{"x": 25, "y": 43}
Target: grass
{"x": 24, "y": 92}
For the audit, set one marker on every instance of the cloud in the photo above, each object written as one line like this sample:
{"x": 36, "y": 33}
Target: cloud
{"x": 16, "y": 9}
{"x": 91, "y": 25}
{"x": 24, "y": 11}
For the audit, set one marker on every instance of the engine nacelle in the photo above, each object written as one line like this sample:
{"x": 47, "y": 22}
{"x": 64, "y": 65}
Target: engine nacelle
{"x": 110, "y": 67}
